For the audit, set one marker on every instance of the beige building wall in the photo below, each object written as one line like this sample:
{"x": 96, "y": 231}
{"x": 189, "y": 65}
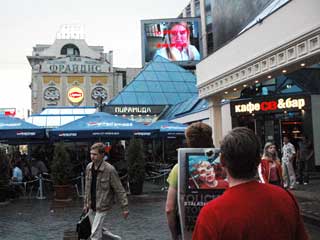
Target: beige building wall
{"x": 276, "y": 41}
{"x": 282, "y": 41}
{"x": 91, "y": 74}
{"x": 315, "y": 103}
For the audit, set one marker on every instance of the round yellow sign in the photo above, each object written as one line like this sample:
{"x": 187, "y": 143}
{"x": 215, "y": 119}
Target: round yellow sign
{"x": 75, "y": 95}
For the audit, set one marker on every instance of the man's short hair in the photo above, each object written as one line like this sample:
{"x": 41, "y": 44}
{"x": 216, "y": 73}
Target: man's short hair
{"x": 199, "y": 135}
{"x": 99, "y": 146}
{"x": 241, "y": 151}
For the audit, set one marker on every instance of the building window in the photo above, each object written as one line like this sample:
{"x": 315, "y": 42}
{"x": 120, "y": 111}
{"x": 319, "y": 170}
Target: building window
{"x": 124, "y": 78}
{"x": 188, "y": 11}
{"x": 209, "y": 43}
{"x": 70, "y": 50}
{"x": 208, "y": 14}
{"x": 197, "y": 8}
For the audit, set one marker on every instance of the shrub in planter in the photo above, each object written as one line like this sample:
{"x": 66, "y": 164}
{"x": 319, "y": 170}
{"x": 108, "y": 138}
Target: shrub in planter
{"x": 136, "y": 166}
{"x": 61, "y": 172}
{"x": 4, "y": 177}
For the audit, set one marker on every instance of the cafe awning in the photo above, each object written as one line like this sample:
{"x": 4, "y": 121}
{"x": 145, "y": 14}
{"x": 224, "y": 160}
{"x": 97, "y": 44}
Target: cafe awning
{"x": 101, "y": 125}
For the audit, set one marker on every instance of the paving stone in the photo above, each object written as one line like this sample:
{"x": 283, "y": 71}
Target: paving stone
{"x": 32, "y": 219}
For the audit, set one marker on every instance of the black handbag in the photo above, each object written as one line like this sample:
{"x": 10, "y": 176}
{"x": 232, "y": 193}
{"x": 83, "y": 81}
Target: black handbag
{"x": 84, "y": 227}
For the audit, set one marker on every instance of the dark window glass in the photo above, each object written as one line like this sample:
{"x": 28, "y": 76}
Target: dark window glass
{"x": 188, "y": 11}
{"x": 70, "y": 50}
{"x": 209, "y": 42}
{"x": 197, "y": 8}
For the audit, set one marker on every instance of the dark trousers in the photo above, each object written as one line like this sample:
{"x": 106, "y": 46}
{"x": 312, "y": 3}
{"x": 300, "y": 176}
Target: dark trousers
{"x": 303, "y": 172}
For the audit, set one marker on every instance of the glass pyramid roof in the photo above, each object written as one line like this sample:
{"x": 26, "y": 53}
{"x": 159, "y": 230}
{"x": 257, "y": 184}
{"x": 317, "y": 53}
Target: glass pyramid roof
{"x": 160, "y": 82}
{"x": 190, "y": 106}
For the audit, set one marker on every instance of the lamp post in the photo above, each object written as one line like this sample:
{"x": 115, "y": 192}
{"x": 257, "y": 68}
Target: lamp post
{"x": 99, "y": 103}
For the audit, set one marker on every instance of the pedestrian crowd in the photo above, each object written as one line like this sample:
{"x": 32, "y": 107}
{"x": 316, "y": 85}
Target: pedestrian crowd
{"x": 18, "y": 170}
{"x": 256, "y": 202}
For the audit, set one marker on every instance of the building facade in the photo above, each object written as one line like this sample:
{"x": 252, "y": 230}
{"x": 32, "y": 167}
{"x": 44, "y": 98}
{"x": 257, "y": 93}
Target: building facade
{"x": 222, "y": 20}
{"x": 271, "y": 82}
{"x": 69, "y": 72}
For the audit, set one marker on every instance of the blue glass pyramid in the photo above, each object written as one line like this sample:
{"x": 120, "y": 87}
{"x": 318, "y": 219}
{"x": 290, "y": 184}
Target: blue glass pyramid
{"x": 160, "y": 82}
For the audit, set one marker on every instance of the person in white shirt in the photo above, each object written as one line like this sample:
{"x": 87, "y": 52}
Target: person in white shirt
{"x": 288, "y": 154}
{"x": 177, "y": 45}
{"x": 17, "y": 175}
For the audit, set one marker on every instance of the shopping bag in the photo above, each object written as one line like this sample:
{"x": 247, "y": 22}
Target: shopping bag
{"x": 84, "y": 227}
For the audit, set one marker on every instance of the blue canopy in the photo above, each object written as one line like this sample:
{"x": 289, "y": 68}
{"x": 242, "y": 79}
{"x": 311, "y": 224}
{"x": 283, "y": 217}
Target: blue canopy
{"x": 169, "y": 129}
{"x": 100, "y": 125}
{"x": 16, "y": 129}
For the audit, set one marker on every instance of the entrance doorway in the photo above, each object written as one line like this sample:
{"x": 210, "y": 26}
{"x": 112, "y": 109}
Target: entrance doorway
{"x": 293, "y": 129}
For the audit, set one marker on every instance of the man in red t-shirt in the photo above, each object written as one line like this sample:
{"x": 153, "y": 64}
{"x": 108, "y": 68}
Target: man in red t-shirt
{"x": 248, "y": 210}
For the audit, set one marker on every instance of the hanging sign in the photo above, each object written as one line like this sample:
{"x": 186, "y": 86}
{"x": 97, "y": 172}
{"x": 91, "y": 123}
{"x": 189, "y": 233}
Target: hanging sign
{"x": 75, "y": 95}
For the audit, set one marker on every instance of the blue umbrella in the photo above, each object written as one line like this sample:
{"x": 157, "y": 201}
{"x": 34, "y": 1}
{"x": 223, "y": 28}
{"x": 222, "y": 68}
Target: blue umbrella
{"x": 101, "y": 125}
{"x": 16, "y": 129}
{"x": 169, "y": 129}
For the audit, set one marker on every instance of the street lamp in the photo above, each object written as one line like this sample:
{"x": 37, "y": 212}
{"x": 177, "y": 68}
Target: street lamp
{"x": 99, "y": 103}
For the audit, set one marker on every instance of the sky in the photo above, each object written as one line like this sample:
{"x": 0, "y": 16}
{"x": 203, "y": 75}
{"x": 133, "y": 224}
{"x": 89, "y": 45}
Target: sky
{"x": 115, "y": 25}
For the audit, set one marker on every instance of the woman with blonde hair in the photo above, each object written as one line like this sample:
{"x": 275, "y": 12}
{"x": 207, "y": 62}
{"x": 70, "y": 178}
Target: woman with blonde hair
{"x": 177, "y": 44}
{"x": 269, "y": 169}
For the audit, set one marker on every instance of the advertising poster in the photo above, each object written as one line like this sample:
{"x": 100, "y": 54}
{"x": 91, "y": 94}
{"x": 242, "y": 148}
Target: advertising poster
{"x": 176, "y": 40}
{"x": 201, "y": 179}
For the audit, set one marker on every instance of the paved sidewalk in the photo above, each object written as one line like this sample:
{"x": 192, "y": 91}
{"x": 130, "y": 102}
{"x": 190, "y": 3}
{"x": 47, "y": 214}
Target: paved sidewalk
{"x": 32, "y": 219}
{"x": 309, "y": 200}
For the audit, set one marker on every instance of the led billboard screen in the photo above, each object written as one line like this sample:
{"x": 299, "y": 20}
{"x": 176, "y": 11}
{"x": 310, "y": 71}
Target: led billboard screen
{"x": 174, "y": 39}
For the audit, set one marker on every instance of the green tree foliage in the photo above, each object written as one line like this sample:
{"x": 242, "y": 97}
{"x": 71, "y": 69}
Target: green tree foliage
{"x": 4, "y": 176}
{"x": 61, "y": 167}
{"x": 136, "y": 163}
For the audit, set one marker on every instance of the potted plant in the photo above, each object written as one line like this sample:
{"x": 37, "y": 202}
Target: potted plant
{"x": 4, "y": 177}
{"x": 136, "y": 166}
{"x": 61, "y": 172}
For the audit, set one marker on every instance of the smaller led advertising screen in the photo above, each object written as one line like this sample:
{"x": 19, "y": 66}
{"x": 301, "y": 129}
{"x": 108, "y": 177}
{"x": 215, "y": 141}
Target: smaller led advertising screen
{"x": 176, "y": 39}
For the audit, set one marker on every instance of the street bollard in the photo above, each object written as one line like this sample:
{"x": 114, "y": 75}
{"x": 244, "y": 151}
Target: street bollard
{"x": 82, "y": 184}
{"x": 40, "y": 189}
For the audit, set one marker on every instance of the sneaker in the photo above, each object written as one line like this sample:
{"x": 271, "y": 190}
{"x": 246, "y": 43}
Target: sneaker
{"x": 291, "y": 187}
{"x": 110, "y": 235}
{"x": 305, "y": 183}
{"x": 297, "y": 182}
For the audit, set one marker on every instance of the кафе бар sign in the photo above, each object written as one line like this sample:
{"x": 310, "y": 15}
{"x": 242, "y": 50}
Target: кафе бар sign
{"x": 270, "y": 105}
